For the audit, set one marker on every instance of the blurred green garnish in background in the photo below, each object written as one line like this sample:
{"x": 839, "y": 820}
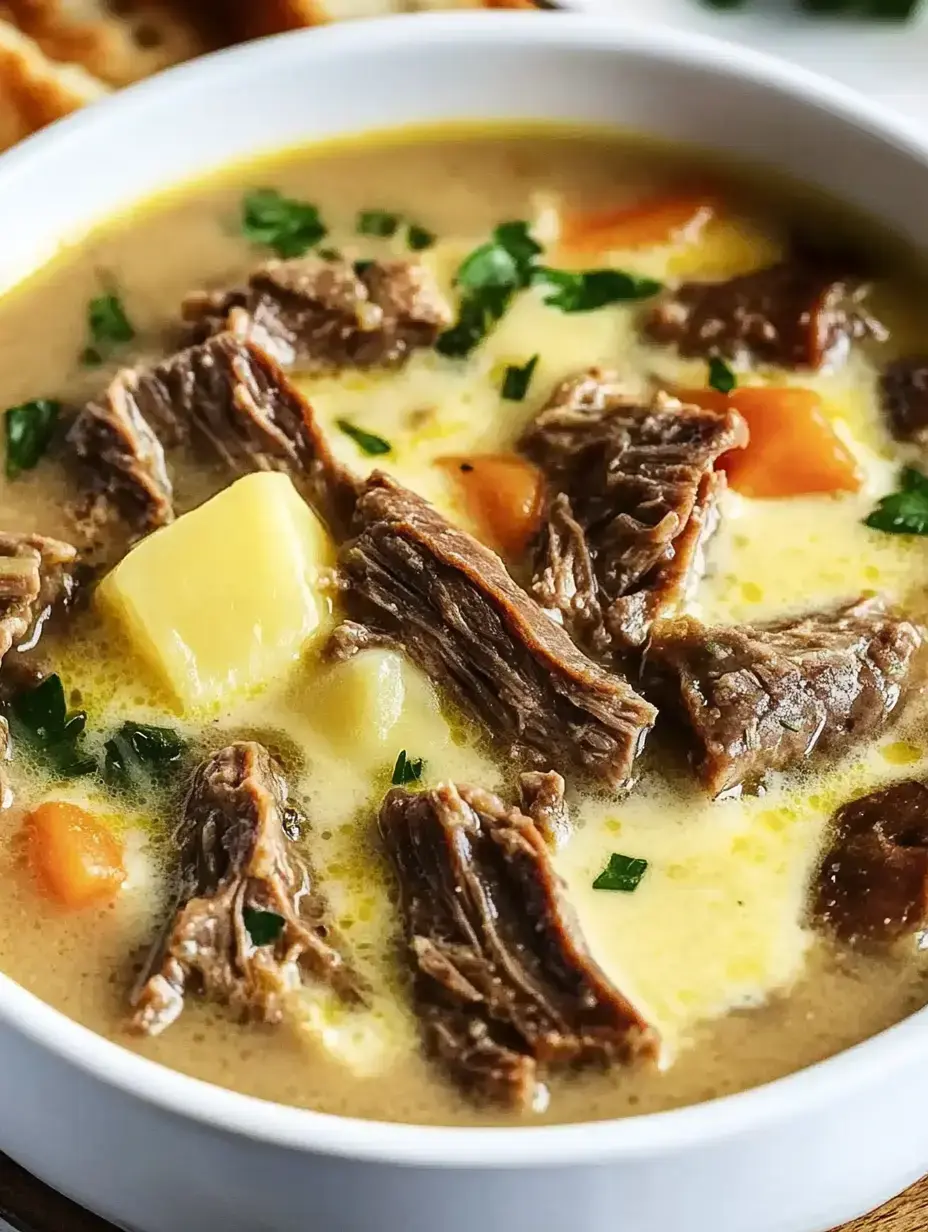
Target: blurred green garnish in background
{"x": 880, "y": 10}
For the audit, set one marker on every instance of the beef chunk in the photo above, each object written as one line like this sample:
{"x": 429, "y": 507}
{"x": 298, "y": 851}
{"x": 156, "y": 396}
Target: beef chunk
{"x": 873, "y": 883}
{"x": 760, "y": 698}
{"x": 541, "y": 793}
{"x": 632, "y": 500}
{"x": 315, "y": 314}
{"x": 121, "y": 459}
{"x": 36, "y": 575}
{"x": 904, "y": 395}
{"x": 231, "y": 399}
{"x": 236, "y": 860}
{"x": 451, "y": 604}
{"x": 504, "y": 984}
{"x": 797, "y": 315}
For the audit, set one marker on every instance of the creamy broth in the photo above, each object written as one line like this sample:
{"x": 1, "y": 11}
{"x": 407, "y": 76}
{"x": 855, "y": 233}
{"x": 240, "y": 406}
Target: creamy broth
{"x": 714, "y": 945}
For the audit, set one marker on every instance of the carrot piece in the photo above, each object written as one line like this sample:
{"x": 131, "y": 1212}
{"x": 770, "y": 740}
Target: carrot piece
{"x": 793, "y": 450}
{"x": 74, "y": 858}
{"x": 652, "y": 222}
{"x": 503, "y": 494}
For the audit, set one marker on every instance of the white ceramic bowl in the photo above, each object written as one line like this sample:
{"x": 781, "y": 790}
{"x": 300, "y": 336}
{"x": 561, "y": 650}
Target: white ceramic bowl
{"x": 159, "y": 1152}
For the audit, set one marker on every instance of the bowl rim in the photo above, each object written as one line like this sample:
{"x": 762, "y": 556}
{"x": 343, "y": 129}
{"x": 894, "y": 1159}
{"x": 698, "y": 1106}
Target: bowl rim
{"x": 441, "y": 1146}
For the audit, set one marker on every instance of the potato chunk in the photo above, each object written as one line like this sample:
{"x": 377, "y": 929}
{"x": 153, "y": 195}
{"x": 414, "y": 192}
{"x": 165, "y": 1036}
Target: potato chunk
{"x": 226, "y": 598}
{"x": 373, "y": 704}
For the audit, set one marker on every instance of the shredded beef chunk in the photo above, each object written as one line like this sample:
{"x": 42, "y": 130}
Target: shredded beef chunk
{"x": 451, "y": 604}
{"x": 873, "y": 883}
{"x": 504, "y": 984}
{"x": 36, "y": 576}
{"x": 315, "y": 314}
{"x": 904, "y": 395}
{"x": 633, "y": 492}
{"x": 761, "y": 698}
{"x": 797, "y": 314}
{"x": 236, "y": 863}
{"x": 541, "y": 793}
{"x": 230, "y": 398}
{"x": 121, "y": 459}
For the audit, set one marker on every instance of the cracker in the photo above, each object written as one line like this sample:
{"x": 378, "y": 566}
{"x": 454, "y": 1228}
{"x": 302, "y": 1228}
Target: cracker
{"x": 117, "y": 42}
{"x": 35, "y": 90}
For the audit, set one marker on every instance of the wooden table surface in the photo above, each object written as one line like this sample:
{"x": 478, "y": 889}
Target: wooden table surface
{"x": 30, "y": 1207}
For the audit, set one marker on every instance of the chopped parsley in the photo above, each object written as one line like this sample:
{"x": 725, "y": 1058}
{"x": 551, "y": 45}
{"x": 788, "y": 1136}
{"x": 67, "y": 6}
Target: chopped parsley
{"x": 621, "y": 873}
{"x": 139, "y": 746}
{"x": 367, "y": 442}
{"x": 263, "y": 926}
{"x": 383, "y": 224}
{"x": 407, "y": 770}
{"x": 721, "y": 377}
{"x": 587, "y": 290}
{"x": 380, "y": 223}
{"x": 288, "y": 226}
{"x": 489, "y": 277}
{"x": 905, "y": 511}
{"x": 517, "y": 380}
{"x": 109, "y": 328}
{"x": 329, "y": 254}
{"x": 418, "y": 238}
{"x": 29, "y": 430}
{"x": 41, "y": 717}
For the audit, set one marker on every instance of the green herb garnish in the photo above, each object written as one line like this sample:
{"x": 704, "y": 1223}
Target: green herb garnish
{"x": 621, "y": 873}
{"x": 263, "y": 926}
{"x": 151, "y": 744}
{"x": 116, "y": 764}
{"x": 418, "y": 238}
{"x": 517, "y": 380}
{"x": 367, "y": 442}
{"x": 288, "y": 226}
{"x": 489, "y": 277}
{"x": 109, "y": 328}
{"x": 138, "y": 747}
{"x": 721, "y": 376}
{"x": 29, "y": 429}
{"x": 407, "y": 770}
{"x": 378, "y": 222}
{"x": 329, "y": 254}
{"x": 904, "y": 512}
{"x": 587, "y": 290}
{"x": 40, "y": 715}
{"x": 361, "y": 267}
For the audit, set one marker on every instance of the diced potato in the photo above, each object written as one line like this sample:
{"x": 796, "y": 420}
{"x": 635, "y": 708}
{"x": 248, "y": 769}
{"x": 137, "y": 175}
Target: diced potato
{"x": 375, "y": 704}
{"x": 226, "y": 598}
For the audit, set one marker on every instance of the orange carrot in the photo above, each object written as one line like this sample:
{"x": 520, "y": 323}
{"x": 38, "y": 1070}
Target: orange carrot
{"x": 74, "y": 858}
{"x": 503, "y": 494}
{"x": 658, "y": 221}
{"x": 793, "y": 450}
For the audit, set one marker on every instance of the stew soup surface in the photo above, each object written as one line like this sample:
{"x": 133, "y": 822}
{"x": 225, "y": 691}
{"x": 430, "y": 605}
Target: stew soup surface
{"x": 715, "y": 942}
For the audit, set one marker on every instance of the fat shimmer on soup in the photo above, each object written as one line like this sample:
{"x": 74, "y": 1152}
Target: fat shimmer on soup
{"x": 461, "y": 629}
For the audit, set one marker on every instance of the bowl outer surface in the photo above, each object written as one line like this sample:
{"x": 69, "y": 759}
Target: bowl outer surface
{"x": 159, "y": 1152}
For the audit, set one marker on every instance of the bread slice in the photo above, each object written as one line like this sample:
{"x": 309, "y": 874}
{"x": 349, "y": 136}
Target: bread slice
{"x": 34, "y": 90}
{"x": 116, "y": 42}
{"x": 253, "y": 18}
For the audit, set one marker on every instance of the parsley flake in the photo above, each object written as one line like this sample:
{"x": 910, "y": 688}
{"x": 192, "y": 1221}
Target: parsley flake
{"x": 721, "y": 377}
{"x": 288, "y": 226}
{"x": 905, "y": 511}
{"x": 517, "y": 380}
{"x": 621, "y": 873}
{"x": 29, "y": 430}
{"x": 367, "y": 442}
